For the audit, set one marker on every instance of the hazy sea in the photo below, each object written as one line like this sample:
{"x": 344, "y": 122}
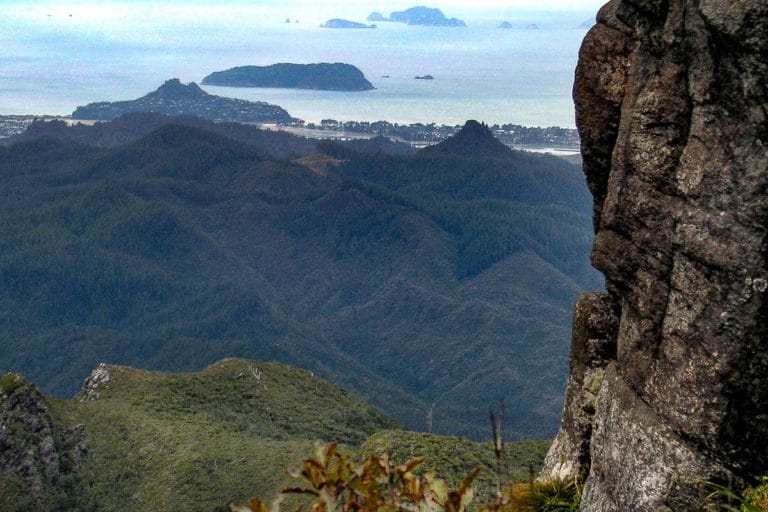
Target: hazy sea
{"x": 54, "y": 59}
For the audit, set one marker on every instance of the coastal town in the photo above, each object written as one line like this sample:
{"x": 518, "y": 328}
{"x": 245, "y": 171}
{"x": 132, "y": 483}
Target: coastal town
{"x": 421, "y": 134}
{"x": 416, "y": 134}
{"x": 14, "y": 125}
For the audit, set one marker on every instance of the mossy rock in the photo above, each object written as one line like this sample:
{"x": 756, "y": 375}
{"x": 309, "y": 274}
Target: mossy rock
{"x": 10, "y": 382}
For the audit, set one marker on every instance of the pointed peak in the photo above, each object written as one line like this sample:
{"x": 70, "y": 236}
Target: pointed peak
{"x": 476, "y": 129}
{"x": 474, "y": 139}
{"x": 172, "y": 82}
{"x": 174, "y": 88}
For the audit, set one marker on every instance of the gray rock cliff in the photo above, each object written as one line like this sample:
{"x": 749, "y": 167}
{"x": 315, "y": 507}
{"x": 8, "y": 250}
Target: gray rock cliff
{"x": 672, "y": 109}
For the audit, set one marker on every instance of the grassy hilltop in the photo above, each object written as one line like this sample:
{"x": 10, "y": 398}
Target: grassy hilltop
{"x": 152, "y": 441}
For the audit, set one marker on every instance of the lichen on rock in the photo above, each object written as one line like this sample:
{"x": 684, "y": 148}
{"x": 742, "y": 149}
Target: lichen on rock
{"x": 95, "y": 382}
{"x": 672, "y": 108}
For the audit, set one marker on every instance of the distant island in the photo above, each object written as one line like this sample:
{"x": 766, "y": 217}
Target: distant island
{"x": 175, "y": 98}
{"x": 323, "y": 76}
{"x": 377, "y": 16}
{"x": 340, "y": 23}
{"x": 423, "y": 16}
{"x": 424, "y": 77}
{"x": 505, "y": 24}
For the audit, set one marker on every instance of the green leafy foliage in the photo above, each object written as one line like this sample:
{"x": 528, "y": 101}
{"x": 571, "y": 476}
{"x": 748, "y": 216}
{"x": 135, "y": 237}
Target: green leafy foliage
{"x": 452, "y": 458}
{"x": 10, "y": 382}
{"x": 758, "y": 495}
{"x": 14, "y": 496}
{"x": 337, "y": 483}
{"x": 754, "y": 499}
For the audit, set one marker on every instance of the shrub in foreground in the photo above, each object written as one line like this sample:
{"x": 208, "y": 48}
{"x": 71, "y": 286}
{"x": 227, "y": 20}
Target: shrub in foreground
{"x": 535, "y": 496}
{"x": 334, "y": 482}
{"x": 754, "y": 499}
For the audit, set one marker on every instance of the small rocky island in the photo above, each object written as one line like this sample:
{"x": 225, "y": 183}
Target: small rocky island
{"x": 341, "y": 23}
{"x": 323, "y": 77}
{"x": 175, "y": 98}
{"x": 377, "y": 16}
{"x": 423, "y": 16}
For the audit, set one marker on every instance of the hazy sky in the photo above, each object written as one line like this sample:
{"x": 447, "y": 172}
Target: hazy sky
{"x": 306, "y": 9}
{"x": 383, "y": 5}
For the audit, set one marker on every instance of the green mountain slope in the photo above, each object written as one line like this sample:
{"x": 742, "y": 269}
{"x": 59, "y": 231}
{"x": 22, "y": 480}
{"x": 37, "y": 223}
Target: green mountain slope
{"x": 452, "y": 458}
{"x": 133, "y": 126}
{"x": 433, "y": 281}
{"x": 145, "y": 441}
{"x": 195, "y": 441}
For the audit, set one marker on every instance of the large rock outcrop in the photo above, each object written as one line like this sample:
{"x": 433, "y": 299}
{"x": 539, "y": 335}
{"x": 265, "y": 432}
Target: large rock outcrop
{"x": 672, "y": 101}
{"x": 36, "y": 455}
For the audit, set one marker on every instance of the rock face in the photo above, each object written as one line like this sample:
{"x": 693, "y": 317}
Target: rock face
{"x": 593, "y": 347}
{"x": 95, "y": 382}
{"x": 34, "y": 453}
{"x": 671, "y": 104}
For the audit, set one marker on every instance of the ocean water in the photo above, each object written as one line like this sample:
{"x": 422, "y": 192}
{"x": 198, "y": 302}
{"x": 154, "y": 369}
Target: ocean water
{"x": 52, "y": 62}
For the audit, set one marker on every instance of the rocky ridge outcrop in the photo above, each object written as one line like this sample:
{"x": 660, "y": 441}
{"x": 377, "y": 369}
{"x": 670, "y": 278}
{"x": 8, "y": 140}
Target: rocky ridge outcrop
{"x": 98, "y": 379}
{"x": 34, "y": 452}
{"x": 672, "y": 109}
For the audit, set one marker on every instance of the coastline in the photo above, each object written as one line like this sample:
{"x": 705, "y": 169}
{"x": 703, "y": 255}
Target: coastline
{"x": 571, "y": 153}
{"x": 11, "y": 125}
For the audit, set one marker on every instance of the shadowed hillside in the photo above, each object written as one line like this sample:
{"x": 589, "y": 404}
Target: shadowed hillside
{"x": 435, "y": 281}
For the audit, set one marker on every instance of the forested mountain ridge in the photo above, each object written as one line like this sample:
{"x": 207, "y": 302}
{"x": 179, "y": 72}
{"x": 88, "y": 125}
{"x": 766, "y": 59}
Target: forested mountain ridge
{"x": 135, "y": 125}
{"x": 425, "y": 282}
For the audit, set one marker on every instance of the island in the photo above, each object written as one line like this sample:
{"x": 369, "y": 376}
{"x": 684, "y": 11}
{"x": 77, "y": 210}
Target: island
{"x": 505, "y": 24}
{"x": 424, "y": 77}
{"x": 340, "y": 23}
{"x": 322, "y": 76}
{"x": 377, "y": 16}
{"x": 176, "y": 98}
{"x": 423, "y": 16}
